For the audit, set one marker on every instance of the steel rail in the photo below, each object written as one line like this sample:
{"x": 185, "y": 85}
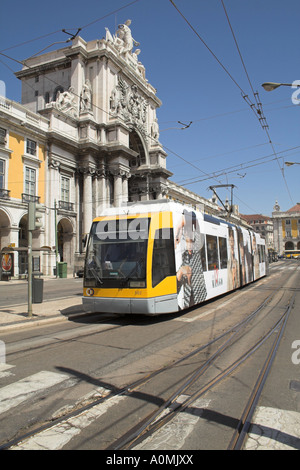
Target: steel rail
{"x": 242, "y": 429}
{"x": 151, "y": 425}
{"x": 130, "y": 388}
{"x": 153, "y": 421}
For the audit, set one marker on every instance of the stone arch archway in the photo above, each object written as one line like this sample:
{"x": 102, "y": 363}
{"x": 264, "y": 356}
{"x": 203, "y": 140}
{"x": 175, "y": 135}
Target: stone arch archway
{"x": 289, "y": 246}
{"x": 4, "y": 228}
{"x": 23, "y": 242}
{"x": 65, "y": 239}
{"x": 138, "y": 184}
{"x": 136, "y": 144}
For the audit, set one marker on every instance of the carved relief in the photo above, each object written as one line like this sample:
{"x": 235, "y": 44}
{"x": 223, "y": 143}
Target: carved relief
{"x": 52, "y": 163}
{"x": 65, "y": 102}
{"x": 86, "y": 170}
{"x": 126, "y": 102}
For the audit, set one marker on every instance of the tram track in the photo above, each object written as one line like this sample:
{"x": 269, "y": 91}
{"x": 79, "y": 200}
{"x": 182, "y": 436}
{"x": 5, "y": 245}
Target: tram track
{"x": 155, "y": 420}
{"x": 158, "y": 419}
{"x": 242, "y": 429}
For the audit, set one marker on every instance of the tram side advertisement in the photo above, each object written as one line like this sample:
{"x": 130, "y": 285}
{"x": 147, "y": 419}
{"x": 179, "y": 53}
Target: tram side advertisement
{"x": 212, "y": 259}
{"x": 191, "y": 286}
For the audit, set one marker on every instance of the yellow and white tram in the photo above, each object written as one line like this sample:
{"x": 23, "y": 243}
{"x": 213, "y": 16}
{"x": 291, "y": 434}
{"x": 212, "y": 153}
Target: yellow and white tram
{"x": 160, "y": 257}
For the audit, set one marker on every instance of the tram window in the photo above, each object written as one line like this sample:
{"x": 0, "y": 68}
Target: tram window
{"x": 261, "y": 253}
{"x": 163, "y": 262}
{"x": 212, "y": 252}
{"x": 223, "y": 252}
{"x": 203, "y": 257}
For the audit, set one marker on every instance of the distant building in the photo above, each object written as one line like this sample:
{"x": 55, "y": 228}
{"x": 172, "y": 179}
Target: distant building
{"x": 23, "y": 169}
{"x": 263, "y": 225}
{"x": 286, "y": 230}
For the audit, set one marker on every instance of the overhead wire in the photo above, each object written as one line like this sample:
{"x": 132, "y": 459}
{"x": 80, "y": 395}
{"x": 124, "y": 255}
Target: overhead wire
{"x": 214, "y": 176}
{"x": 215, "y": 57}
{"x": 210, "y": 176}
{"x": 119, "y": 117}
{"x": 82, "y": 27}
{"x": 258, "y": 102}
{"x": 227, "y": 170}
{"x": 256, "y": 108}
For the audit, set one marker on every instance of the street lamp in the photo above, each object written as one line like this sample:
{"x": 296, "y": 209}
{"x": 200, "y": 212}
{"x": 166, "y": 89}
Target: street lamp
{"x": 292, "y": 163}
{"x": 270, "y": 86}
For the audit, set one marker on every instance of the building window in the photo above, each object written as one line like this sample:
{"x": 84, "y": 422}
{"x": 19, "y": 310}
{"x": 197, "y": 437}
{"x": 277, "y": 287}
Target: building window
{"x": 2, "y": 174}
{"x": 31, "y": 147}
{"x": 30, "y": 181}
{"x": 65, "y": 189}
{"x": 2, "y": 135}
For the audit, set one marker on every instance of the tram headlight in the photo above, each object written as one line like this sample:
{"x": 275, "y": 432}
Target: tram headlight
{"x": 137, "y": 284}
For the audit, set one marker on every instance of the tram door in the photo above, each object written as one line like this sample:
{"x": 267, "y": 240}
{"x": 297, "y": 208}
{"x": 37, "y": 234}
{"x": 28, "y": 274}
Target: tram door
{"x": 241, "y": 248}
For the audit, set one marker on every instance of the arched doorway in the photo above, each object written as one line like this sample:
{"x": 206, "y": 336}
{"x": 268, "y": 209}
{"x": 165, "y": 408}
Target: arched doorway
{"x": 23, "y": 242}
{"x": 6, "y": 260}
{"x": 4, "y": 229}
{"x": 136, "y": 144}
{"x": 65, "y": 241}
{"x": 289, "y": 246}
{"x": 138, "y": 183}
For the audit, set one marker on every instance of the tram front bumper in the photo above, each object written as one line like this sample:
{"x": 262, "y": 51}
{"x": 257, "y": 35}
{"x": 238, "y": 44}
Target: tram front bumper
{"x": 151, "y": 306}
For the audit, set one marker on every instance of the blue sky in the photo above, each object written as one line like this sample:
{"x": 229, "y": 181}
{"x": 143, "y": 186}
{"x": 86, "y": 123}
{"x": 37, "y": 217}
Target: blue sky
{"x": 225, "y": 144}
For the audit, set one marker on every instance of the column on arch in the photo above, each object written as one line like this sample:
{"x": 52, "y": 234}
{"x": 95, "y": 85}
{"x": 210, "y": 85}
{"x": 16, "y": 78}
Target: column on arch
{"x": 87, "y": 202}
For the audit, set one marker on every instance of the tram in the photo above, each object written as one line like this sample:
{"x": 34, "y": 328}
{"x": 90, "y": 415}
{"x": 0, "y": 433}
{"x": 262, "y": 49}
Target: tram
{"x": 162, "y": 256}
{"x": 290, "y": 254}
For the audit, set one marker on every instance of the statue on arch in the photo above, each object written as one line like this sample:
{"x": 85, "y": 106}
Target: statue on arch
{"x": 86, "y": 97}
{"x": 65, "y": 102}
{"x": 126, "y": 41}
{"x": 155, "y": 130}
{"x": 122, "y": 40}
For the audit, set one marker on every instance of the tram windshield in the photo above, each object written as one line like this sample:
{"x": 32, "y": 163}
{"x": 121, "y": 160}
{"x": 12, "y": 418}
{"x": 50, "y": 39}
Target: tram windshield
{"x": 116, "y": 253}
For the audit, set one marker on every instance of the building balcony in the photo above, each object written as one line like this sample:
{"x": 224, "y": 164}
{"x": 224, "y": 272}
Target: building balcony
{"x": 29, "y": 198}
{"x": 4, "y": 194}
{"x": 66, "y": 206}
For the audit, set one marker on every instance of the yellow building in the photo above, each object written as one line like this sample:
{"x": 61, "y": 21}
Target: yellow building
{"x": 287, "y": 231}
{"x": 22, "y": 177}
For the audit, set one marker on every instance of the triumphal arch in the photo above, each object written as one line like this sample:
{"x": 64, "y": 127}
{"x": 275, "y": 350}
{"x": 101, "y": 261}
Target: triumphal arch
{"x": 102, "y": 141}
